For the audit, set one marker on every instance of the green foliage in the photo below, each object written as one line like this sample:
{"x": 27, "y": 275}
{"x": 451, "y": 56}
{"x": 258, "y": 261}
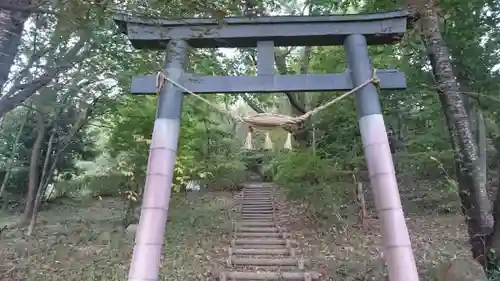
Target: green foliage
{"x": 80, "y": 147}
{"x": 307, "y": 178}
{"x": 206, "y": 148}
{"x": 86, "y": 186}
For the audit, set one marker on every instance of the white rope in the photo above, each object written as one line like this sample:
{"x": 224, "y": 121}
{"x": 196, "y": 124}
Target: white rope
{"x": 278, "y": 120}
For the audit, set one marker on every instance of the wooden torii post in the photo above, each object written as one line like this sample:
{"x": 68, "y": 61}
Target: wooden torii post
{"x": 355, "y": 32}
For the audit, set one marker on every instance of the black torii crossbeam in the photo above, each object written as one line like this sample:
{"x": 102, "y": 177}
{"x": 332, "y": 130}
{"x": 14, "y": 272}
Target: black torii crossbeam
{"x": 389, "y": 79}
{"x": 245, "y": 32}
{"x": 355, "y": 32}
{"x": 381, "y": 28}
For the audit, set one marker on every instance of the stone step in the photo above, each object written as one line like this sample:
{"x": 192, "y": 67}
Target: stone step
{"x": 257, "y": 211}
{"x": 250, "y": 219}
{"x": 257, "y": 229}
{"x": 257, "y": 246}
{"x": 255, "y": 224}
{"x": 262, "y": 234}
{"x": 257, "y": 218}
{"x": 256, "y": 204}
{"x": 257, "y": 193}
{"x": 238, "y": 275}
{"x": 257, "y": 208}
{"x": 266, "y": 210}
{"x": 267, "y": 262}
{"x": 253, "y": 251}
{"x": 244, "y": 193}
{"x": 259, "y": 242}
{"x": 248, "y": 203}
{"x": 262, "y": 241}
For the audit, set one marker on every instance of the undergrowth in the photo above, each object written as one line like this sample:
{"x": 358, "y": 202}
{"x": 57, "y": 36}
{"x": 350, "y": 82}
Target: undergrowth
{"x": 85, "y": 242}
{"x": 306, "y": 178}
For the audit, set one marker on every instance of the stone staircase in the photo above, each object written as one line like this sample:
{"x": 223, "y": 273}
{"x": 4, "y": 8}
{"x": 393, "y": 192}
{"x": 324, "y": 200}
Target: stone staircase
{"x": 261, "y": 249}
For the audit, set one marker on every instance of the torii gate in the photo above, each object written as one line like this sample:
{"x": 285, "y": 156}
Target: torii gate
{"x": 355, "y": 32}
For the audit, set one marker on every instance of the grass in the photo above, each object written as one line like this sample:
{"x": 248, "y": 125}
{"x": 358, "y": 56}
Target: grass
{"x": 84, "y": 241}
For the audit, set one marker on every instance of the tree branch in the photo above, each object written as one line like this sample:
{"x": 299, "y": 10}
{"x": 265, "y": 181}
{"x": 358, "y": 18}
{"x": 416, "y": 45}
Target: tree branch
{"x": 252, "y": 103}
{"x": 281, "y": 65}
{"x": 22, "y": 92}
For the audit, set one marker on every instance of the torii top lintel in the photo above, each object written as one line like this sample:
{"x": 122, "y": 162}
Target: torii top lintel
{"x": 243, "y": 32}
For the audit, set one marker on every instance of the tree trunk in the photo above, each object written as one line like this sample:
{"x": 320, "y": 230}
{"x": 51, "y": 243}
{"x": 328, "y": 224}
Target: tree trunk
{"x": 302, "y": 136}
{"x": 493, "y": 241}
{"x": 475, "y": 201}
{"x": 42, "y": 183}
{"x": 477, "y": 121}
{"x": 34, "y": 176}
{"x": 482, "y": 145}
{"x": 11, "y": 29}
{"x": 62, "y": 145}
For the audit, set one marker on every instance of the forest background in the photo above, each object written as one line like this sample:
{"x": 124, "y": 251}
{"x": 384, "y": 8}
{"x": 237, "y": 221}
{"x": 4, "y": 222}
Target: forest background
{"x": 70, "y": 128}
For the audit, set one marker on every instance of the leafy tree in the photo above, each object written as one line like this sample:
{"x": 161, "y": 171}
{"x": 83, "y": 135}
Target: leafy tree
{"x": 446, "y": 120}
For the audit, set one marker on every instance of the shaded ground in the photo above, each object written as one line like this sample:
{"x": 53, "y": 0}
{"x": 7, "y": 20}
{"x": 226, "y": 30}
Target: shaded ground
{"x": 344, "y": 250}
{"x": 84, "y": 241}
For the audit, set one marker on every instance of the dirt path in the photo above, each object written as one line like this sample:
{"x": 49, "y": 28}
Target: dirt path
{"x": 261, "y": 249}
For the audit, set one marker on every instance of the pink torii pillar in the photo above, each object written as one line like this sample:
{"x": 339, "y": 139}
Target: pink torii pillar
{"x": 397, "y": 248}
{"x": 158, "y": 188}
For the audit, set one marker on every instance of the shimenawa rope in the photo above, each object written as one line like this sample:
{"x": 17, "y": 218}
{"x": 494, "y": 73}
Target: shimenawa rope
{"x": 266, "y": 120}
